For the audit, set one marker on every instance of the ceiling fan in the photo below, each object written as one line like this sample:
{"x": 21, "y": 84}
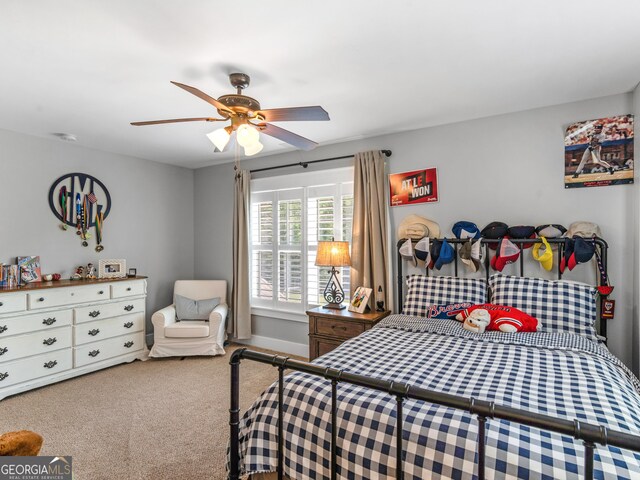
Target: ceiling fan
{"x": 248, "y": 119}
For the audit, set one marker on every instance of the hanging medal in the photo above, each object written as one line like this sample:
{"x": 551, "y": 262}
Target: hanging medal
{"x": 99, "y": 222}
{"x": 63, "y": 196}
{"x": 78, "y": 214}
{"x": 85, "y": 223}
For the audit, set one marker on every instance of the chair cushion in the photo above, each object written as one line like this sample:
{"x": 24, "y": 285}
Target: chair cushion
{"x": 187, "y": 329}
{"x": 189, "y": 309}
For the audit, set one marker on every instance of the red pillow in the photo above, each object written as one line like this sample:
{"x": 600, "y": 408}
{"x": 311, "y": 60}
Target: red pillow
{"x": 504, "y": 319}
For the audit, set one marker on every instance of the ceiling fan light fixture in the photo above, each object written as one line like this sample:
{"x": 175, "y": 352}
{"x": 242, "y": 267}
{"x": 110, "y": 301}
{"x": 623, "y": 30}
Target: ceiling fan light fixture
{"x": 219, "y": 138}
{"x": 247, "y": 136}
{"x": 253, "y": 149}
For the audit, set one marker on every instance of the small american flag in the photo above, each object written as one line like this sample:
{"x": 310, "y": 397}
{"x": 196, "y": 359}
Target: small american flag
{"x": 92, "y": 198}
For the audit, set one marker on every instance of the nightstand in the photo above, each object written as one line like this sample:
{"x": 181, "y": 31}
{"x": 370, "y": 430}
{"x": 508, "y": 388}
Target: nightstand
{"x": 329, "y": 328}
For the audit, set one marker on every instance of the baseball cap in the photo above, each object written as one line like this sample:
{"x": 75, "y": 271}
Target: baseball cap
{"x": 434, "y": 253}
{"x": 522, "y": 231}
{"x": 464, "y": 229}
{"x": 506, "y": 253}
{"x": 466, "y": 254}
{"x": 416, "y": 227}
{"x": 422, "y": 249}
{"x": 494, "y": 231}
{"x": 406, "y": 251}
{"x": 550, "y": 230}
{"x": 568, "y": 251}
{"x": 583, "y": 229}
{"x": 546, "y": 257}
{"x": 447, "y": 254}
{"x": 583, "y": 251}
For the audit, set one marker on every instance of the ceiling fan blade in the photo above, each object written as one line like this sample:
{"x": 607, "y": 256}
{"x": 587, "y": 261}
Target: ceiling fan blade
{"x": 294, "y": 114}
{"x": 205, "y": 97}
{"x": 176, "y": 120}
{"x": 287, "y": 136}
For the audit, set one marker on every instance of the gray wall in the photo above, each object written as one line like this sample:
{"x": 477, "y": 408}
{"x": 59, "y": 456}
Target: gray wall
{"x": 507, "y": 168}
{"x": 150, "y": 224}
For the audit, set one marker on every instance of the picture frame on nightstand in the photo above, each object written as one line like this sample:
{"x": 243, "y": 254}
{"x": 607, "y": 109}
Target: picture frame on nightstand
{"x": 360, "y": 299}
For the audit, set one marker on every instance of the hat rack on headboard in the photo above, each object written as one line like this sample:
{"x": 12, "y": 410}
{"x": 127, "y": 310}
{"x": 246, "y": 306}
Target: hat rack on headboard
{"x": 601, "y": 251}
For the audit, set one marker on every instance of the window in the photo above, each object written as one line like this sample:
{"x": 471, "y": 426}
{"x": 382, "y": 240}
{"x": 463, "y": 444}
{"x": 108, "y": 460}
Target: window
{"x": 289, "y": 216}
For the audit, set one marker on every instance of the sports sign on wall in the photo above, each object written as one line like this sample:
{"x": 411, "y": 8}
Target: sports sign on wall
{"x": 408, "y": 188}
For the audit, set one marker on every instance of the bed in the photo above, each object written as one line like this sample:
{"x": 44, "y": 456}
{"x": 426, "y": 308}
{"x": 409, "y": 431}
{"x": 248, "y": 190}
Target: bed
{"x": 549, "y": 404}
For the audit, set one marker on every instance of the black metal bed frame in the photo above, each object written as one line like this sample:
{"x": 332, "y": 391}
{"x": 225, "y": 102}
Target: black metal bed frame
{"x": 591, "y": 435}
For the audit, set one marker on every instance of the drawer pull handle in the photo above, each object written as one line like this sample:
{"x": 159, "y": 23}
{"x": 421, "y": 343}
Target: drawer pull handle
{"x": 3, "y": 375}
{"x": 338, "y": 327}
{"x": 51, "y": 364}
{"x": 3, "y": 350}
{"x": 128, "y": 325}
{"x": 49, "y": 341}
{"x": 94, "y": 314}
{"x": 3, "y": 328}
{"x": 101, "y": 292}
{"x": 128, "y": 308}
{"x": 94, "y": 353}
{"x": 1, "y": 304}
{"x": 128, "y": 289}
{"x": 129, "y": 344}
{"x": 49, "y": 321}
{"x": 94, "y": 332}
{"x": 41, "y": 299}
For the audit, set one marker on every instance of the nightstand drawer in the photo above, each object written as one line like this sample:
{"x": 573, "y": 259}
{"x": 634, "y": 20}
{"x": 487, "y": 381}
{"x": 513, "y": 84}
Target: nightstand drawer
{"x": 320, "y": 346}
{"x": 338, "y": 328}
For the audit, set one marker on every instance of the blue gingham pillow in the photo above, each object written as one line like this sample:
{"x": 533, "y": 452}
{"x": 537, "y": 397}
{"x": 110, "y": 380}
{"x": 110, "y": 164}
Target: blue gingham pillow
{"x": 425, "y": 291}
{"x": 559, "y": 305}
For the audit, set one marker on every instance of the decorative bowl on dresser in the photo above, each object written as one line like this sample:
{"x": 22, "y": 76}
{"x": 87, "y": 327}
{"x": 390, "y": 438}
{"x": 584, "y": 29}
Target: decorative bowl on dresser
{"x": 51, "y": 331}
{"x": 328, "y": 328}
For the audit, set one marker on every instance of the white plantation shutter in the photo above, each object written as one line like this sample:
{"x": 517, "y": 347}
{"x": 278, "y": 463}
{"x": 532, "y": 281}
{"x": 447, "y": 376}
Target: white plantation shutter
{"x": 286, "y": 225}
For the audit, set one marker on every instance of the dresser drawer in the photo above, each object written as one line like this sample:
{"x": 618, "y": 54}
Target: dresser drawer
{"x": 13, "y": 302}
{"x": 127, "y": 289}
{"x": 107, "y": 310}
{"x": 338, "y": 328}
{"x": 31, "y": 323}
{"x": 20, "y": 346}
{"x": 35, "y": 367}
{"x": 67, "y": 296}
{"x": 105, "y": 349}
{"x": 102, "y": 329}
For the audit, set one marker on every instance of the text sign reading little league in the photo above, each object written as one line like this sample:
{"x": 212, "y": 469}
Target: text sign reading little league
{"x": 36, "y": 468}
{"x": 420, "y": 186}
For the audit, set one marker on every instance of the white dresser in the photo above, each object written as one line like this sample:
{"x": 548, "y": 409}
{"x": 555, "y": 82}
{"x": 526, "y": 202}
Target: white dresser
{"x": 57, "y": 330}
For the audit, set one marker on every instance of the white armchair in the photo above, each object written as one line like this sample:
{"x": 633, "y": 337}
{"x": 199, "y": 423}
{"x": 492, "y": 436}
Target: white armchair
{"x": 186, "y": 338}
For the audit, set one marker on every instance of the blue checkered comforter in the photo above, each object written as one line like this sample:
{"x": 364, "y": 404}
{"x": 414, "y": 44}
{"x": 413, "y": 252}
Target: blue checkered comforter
{"x": 562, "y": 375}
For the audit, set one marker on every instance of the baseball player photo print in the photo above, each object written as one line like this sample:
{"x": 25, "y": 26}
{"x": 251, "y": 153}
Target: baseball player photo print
{"x": 599, "y": 152}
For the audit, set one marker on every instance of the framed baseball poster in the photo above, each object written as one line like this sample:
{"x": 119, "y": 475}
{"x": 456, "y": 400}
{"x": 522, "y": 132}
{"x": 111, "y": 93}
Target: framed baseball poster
{"x": 409, "y": 188}
{"x": 599, "y": 152}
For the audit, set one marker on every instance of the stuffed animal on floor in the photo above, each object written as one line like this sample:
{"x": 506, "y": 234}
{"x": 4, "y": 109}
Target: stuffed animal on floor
{"x": 501, "y": 318}
{"x": 23, "y": 443}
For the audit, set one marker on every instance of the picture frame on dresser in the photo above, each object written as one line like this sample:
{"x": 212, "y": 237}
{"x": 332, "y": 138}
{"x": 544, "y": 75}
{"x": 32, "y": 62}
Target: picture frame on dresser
{"x": 112, "y": 268}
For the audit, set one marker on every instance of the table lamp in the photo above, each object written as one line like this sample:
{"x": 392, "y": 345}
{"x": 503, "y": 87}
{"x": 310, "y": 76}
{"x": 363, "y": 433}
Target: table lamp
{"x": 333, "y": 254}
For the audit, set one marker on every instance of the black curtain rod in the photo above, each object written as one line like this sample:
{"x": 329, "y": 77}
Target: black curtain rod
{"x": 306, "y": 164}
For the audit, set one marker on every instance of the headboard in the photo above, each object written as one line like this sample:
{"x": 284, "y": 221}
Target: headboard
{"x": 601, "y": 273}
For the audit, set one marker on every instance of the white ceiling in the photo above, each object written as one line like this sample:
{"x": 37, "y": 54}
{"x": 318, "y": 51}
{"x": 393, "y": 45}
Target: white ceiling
{"x": 89, "y": 67}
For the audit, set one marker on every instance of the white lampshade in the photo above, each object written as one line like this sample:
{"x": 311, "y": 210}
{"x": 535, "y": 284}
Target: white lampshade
{"x": 253, "y": 149}
{"x": 219, "y": 138}
{"x": 247, "y": 136}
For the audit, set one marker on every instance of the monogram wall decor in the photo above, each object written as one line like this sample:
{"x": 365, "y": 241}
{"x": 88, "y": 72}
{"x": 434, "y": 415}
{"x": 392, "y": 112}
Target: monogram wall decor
{"x": 82, "y": 202}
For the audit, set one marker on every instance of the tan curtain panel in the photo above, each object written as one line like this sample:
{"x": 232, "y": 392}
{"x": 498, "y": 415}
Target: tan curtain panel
{"x": 240, "y": 324}
{"x": 369, "y": 267}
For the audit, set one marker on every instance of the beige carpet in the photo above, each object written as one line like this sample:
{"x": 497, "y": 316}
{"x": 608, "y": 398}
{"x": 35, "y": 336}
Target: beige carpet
{"x": 159, "y": 419}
